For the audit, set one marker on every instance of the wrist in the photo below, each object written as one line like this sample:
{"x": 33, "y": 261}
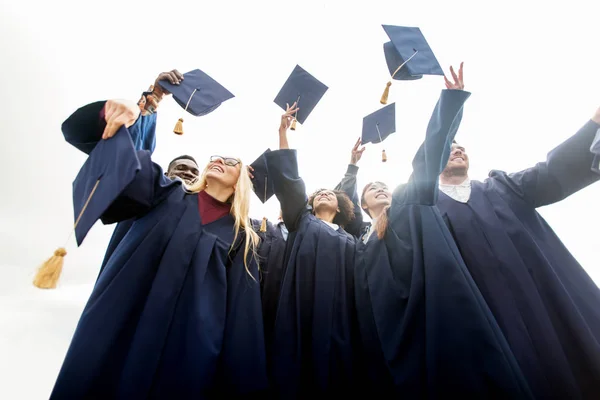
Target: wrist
{"x": 596, "y": 117}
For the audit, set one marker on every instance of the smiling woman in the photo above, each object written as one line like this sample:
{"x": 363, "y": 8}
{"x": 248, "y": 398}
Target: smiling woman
{"x": 176, "y": 311}
{"x": 315, "y": 336}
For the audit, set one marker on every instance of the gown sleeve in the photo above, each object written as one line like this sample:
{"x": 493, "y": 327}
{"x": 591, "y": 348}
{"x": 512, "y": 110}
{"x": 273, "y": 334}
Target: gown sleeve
{"x": 83, "y": 129}
{"x": 349, "y": 186}
{"x": 595, "y": 149}
{"x": 289, "y": 187}
{"x": 432, "y": 157}
{"x": 116, "y": 183}
{"x": 567, "y": 169}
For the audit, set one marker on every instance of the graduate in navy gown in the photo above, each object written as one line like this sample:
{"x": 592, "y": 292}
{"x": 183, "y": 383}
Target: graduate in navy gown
{"x": 91, "y": 118}
{"x": 177, "y": 311}
{"x": 314, "y": 341}
{"x": 426, "y": 329}
{"x": 544, "y": 301}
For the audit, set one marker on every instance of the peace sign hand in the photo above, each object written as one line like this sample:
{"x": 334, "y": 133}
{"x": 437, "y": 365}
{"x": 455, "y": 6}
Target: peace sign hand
{"x": 287, "y": 117}
{"x": 459, "y": 83}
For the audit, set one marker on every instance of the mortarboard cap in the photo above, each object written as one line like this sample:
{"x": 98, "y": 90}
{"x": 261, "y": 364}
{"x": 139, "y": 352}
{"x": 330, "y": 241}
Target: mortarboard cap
{"x": 379, "y": 125}
{"x": 109, "y": 169}
{"x": 111, "y": 166}
{"x": 262, "y": 184}
{"x": 301, "y": 88}
{"x": 408, "y": 56}
{"x": 198, "y": 94}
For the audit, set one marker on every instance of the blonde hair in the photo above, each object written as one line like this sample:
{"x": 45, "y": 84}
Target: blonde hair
{"x": 240, "y": 210}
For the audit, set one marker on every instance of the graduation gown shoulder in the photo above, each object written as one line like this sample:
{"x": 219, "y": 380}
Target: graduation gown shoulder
{"x": 544, "y": 301}
{"x": 314, "y": 338}
{"x": 426, "y": 329}
{"x": 175, "y": 314}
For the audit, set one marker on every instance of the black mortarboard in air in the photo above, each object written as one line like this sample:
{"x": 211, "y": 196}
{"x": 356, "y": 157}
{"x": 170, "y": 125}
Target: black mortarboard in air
{"x": 379, "y": 125}
{"x": 198, "y": 94}
{"x": 262, "y": 183}
{"x": 301, "y": 88}
{"x": 408, "y": 56}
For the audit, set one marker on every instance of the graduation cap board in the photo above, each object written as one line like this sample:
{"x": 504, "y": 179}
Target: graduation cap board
{"x": 198, "y": 94}
{"x": 303, "y": 89}
{"x": 109, "y": 169}
{"x": 379, "y": 125}
{"x": 408, "y": 56}
{"x": 262, "y": 185}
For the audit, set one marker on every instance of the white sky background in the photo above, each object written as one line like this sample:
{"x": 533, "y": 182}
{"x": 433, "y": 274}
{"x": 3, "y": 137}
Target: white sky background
{"x": 532, "y": 68}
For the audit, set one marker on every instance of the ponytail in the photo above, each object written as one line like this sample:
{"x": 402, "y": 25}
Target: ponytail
{"x": 382, "y": 223}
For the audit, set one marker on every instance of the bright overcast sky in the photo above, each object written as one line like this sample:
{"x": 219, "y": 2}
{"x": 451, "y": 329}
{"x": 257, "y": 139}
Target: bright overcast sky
{"x": 532, "y": 68}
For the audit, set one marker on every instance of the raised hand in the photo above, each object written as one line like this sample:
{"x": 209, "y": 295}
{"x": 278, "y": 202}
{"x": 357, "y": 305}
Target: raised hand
{"x": 459, "y": 83}
{"x": 118, "y": 113}
{"x": 287, "y": 117}
{"x": 356, "y": 152}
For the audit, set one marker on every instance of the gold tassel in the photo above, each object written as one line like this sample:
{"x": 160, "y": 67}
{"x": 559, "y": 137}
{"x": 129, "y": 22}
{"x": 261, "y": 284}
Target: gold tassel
{"x": 49, "y": 272}
{"x": 383, "y": 156}
{"x": 263, "y": 225}
{"x": 386, "y": 93}
{"x": 179, "y": 127}
{"x": 293, "y": 127}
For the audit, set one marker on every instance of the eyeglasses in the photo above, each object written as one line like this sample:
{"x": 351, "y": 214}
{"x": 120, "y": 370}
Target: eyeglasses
{"x": 232, "y": 162}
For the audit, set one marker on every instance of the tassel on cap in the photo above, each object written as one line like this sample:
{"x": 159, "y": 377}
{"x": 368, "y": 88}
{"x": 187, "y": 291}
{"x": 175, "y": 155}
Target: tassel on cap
{"x": 263, "y": 225}
{"x": 293, "y": 127}
{"x": 179, "y": 127}
{"x": 386, "y": 93}
{"x": 49, "y": 272}
{"x": 383, "y": 156}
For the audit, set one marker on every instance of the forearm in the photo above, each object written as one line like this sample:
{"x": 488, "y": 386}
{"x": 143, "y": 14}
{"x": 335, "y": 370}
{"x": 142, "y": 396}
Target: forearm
{"x": 283, "y": 140}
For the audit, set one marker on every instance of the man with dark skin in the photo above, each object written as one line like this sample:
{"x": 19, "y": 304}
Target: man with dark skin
{"x": 183, "y": 167}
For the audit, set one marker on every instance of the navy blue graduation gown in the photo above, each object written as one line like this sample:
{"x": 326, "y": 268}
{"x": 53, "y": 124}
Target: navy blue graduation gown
{"x": 84, "y": 128}
{"x": 174, "y": 314}
{"x": 426, "y": 329}
{"x": 271, "y": 255}
{"x": 314, "y": 340}
{"x": 546, "y": 304}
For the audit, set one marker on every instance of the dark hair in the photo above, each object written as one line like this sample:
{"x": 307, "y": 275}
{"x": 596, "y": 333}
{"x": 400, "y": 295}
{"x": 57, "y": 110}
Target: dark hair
{"x": 183, "y": 157}
{"x": 346, "y": 213}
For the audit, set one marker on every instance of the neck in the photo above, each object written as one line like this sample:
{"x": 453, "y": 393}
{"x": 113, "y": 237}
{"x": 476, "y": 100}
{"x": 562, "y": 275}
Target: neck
{"x": 375, "y": 212}
{"x": 219, "y": 192}
{"x": 449, "y": 178}
{"x": 326, "y": 215}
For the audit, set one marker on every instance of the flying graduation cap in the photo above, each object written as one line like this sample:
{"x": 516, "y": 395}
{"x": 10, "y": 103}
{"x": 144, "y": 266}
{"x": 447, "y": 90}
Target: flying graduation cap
{"x": 379, "y": 125}
{"x": 198, "y": 94}
{"x": 303, "y": 89}
{"x": 408, "y": 56}
{"x": 110, "y": 168}
{"x": 262, "y": 184}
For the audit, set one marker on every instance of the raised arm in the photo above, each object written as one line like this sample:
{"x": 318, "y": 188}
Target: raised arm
{"x": 432, "y": 156}
{"x": 282, "y": 165}
{"x": 567, "y": 169}
{"x": 86, "y": 126}
{"x": 349, "y": 186}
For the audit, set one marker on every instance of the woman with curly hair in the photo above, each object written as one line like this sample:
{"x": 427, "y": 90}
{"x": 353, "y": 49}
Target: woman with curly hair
{"x": 314, "y": 339}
